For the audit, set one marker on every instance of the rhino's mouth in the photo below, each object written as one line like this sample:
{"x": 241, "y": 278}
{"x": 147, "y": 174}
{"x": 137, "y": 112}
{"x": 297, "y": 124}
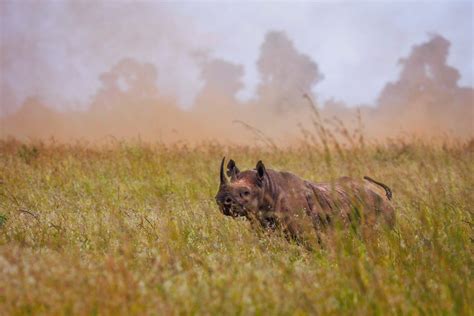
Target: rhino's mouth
{"x": 234, "y": 210}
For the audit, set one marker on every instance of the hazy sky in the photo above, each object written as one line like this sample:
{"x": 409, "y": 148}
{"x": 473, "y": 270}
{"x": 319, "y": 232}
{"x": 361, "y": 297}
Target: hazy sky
{"x": 57, "y": 49}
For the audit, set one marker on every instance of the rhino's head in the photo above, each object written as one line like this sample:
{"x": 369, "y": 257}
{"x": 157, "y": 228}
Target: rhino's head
{"x": 243, "y": 193}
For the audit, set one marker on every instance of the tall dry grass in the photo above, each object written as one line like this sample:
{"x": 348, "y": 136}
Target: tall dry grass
{"x": 132, "y": 228}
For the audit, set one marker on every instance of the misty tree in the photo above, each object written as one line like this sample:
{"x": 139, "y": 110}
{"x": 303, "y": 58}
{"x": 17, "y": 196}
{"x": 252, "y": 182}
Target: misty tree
{"x": 221, "y": 78}
{"x": 428, "y": 91}
{"x": 285, "y": 73}
{"x": 425, "y": 77}
{"x": 128, "y": 79}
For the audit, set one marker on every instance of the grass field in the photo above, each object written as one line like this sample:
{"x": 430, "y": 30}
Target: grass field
{"x": 132, "y": 228}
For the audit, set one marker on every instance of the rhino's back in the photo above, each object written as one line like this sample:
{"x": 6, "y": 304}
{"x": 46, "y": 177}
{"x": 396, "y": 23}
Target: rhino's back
{"x": 286, "y": 181}
{"x": 345, "y": 195}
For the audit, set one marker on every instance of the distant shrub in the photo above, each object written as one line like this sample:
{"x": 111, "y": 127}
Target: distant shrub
{"x": 28, "y": 153}
{"x": 3, "y": 219}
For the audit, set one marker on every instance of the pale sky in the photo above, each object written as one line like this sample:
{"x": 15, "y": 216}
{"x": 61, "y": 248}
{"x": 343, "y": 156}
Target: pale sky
{"x": 57, "y": 49}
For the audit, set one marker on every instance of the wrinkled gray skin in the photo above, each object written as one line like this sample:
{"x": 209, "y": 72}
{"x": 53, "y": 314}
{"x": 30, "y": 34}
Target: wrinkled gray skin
{"x": 281, "y": 199}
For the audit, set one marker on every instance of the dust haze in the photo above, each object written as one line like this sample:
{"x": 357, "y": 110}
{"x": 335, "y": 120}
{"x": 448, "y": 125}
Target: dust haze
{"x": 133, "y": 102}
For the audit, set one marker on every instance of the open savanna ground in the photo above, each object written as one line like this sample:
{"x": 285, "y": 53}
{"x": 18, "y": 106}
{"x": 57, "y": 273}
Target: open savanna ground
{"x": 133, "y": 228}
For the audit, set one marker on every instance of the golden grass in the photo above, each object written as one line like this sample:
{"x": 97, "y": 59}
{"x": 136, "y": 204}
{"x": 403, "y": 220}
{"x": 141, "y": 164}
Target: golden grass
{"x": 132, "y": 228}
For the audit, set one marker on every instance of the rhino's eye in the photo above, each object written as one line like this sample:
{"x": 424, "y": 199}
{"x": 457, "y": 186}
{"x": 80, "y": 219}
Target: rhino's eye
{"x": 245, "y": 194}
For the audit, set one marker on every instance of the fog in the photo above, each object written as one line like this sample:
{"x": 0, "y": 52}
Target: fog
{"x": 75, "y": 71}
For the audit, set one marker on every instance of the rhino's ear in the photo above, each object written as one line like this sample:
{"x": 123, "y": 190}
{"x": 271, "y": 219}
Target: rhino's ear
{"x": 261, "y": 171}
{"x": 232, "y": 169}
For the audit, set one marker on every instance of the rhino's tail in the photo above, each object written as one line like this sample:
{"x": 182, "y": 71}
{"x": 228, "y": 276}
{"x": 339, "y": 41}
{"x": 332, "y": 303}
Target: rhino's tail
{"x": 388, "y": 192}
